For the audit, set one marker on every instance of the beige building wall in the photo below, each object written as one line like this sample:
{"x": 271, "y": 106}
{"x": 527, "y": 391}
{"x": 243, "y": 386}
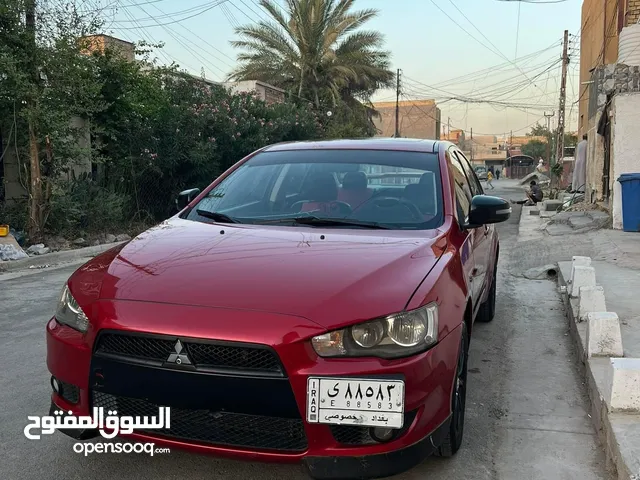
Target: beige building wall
{"x": 602, "y": 21}
{"x": 100, "y": 43}
{"x": 265, "y": 91}
{"x": 417, "y": 119}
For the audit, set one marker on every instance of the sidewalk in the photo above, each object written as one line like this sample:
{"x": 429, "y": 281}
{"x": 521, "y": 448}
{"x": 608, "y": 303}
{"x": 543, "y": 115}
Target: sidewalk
{"x": 616, "y": 260}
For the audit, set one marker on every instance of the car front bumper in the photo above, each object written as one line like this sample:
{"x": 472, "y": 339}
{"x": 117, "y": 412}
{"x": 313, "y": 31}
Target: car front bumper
{"x": 326, "y": 451}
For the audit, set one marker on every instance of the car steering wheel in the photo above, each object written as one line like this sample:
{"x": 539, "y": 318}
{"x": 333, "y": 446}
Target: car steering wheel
{"x": 387, "y": 202}
{"x": 343, "y": 207}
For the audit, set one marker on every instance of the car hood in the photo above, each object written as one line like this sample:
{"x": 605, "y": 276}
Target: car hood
{"x": 331, "y": 276}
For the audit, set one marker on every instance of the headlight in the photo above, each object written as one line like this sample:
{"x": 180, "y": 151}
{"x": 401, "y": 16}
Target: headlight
{"x": 69, "y": 312}
{"x": 398, "y": 335}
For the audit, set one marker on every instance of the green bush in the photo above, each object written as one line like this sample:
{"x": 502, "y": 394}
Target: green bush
{"x": 79, "y": 207}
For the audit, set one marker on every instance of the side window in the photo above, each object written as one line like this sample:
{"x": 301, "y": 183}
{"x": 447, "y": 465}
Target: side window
{"x": 462, "y": 191}
{"x": 476, "y": 187}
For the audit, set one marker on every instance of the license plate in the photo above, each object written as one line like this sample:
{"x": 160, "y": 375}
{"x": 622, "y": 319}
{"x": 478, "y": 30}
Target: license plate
{"x": 353, "y": 401}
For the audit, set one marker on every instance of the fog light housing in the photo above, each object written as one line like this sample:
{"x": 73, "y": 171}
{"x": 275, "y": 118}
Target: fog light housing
{"x": 55, "y": 384}
{"x": 382, "y": 434}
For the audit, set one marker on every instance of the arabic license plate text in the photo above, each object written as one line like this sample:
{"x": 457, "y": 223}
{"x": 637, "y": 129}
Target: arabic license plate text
{"x": 353, "y": 401}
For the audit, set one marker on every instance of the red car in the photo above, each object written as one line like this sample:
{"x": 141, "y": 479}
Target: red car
{"x": 314, "y": 304}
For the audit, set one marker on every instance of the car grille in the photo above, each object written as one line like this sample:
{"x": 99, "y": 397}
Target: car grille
{"x": 354, "y": 435}
{"x": 204, "y": 354}
{"x": 69, "y": 392}
{"x": 217, "y": 428}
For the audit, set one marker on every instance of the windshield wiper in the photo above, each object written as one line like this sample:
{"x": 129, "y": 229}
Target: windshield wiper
{"x": 217, "y": 217}
{"x": 337, "y": 222}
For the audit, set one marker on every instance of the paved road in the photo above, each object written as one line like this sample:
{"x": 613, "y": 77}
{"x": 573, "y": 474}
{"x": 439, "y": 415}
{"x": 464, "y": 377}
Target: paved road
{"x": 526, "y": 414}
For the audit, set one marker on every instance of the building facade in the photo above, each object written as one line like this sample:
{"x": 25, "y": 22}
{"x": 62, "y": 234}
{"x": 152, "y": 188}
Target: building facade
{"x": 265, "y": 91}
{"x": 417, "y": 119}
{"x": 609, "y": 99}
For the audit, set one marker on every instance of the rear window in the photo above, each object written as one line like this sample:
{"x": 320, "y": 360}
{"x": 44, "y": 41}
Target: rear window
{"x": 399, "y": 189}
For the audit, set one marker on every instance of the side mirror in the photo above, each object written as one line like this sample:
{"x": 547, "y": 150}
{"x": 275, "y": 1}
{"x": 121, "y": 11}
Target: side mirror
{"x": 486, "y": 209}
{"x": 186, "y": 197}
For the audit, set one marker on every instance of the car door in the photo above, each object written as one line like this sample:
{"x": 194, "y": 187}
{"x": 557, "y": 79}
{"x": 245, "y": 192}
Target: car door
{"x": 483, "y": 239}
{"x": 476, "y": 235}
{"x": 463, "y": 205}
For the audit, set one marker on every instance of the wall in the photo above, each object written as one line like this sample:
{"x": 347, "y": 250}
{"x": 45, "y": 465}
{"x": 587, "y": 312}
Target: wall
{"x": 626, "y": 146}
{"x": 598, "y": 46}
{"x": 14, "y": 178}
{"x": 633, "y": 12}
{"x": 99, "y": 43}
{"x": 608, "y": 81}
{"x": 418, "y": 119}
{"x": 266, "y": 92}
{"x": 12, "y": 175}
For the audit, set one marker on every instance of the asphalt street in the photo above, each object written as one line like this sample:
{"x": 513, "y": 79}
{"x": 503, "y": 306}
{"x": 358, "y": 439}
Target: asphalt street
{"x": 526, "y": 406}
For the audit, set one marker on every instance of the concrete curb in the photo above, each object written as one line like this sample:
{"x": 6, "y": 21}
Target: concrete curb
{"x": 618, "y": 432}
{"x": 56, "y": 258}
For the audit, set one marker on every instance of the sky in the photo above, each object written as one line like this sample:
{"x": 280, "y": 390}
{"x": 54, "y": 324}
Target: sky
{"x": 493, "y": 66}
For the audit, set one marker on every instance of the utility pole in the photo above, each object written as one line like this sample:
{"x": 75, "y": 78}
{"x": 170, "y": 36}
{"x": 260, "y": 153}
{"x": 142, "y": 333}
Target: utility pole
{"x": 449, "y": 128}
{"x": 548, "y": 117}
{"x": 397, "y": 134}
{"x": 563, "y": 98}
{"x": 471, "y": 146}
{"x": 35, "y": 194}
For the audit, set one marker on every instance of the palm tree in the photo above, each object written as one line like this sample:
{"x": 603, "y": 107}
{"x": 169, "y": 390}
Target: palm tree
{"x": 315, "y": 49}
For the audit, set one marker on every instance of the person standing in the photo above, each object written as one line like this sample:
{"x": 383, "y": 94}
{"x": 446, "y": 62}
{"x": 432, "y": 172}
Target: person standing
{"x": 490, "y": 180}
{"x": 580, "y": 166}
{"x": 497, "y": 173}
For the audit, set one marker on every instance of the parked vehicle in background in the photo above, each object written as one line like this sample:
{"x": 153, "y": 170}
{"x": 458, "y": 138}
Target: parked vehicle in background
{"x": 481, "y": 172}
{"x": 314, "y": 304}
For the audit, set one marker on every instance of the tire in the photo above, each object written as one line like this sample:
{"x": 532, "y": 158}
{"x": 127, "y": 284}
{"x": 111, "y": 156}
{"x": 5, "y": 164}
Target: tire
{"x": 488, "y": 309}
{"x": 453, "y": 440}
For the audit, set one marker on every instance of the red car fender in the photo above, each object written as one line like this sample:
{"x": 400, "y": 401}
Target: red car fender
{"x": 444, "y": 285}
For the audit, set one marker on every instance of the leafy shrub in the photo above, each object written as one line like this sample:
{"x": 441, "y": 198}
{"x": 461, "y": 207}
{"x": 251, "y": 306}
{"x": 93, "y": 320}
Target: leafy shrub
{"x": 81, "y": 206}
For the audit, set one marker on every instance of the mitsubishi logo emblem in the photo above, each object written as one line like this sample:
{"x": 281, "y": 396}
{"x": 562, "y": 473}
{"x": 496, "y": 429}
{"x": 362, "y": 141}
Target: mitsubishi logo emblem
{"x": 179, "y": 355}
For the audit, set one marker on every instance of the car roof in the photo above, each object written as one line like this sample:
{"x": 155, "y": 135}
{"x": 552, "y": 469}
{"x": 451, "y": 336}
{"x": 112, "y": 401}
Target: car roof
{"x": 375, "y": 143}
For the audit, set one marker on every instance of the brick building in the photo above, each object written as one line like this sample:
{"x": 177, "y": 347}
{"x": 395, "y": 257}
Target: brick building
{"x": 602, "y": 21}
{"x": 417, "y": 119}
{"x": 100, "y": 43}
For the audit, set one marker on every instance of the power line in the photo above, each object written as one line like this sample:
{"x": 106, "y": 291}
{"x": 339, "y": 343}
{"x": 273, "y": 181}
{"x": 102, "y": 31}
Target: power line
{"x": 210, "y": 7}
{"x": 466, "y": 131}
{"x": 498, "y": 52}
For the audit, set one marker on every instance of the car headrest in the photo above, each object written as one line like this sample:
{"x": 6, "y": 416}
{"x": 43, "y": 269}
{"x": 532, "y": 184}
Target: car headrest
{"x": 354, "y": 181}
{"x": 413, "y": 188}
{"x": 427, "y": 178}
{"x": 322, "y": 188}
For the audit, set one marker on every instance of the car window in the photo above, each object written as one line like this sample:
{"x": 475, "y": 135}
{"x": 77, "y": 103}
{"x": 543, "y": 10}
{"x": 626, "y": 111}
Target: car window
{"x": 400, "y": 189}
{"x": 476, "y": 187}
{"x": 459, "y": 175}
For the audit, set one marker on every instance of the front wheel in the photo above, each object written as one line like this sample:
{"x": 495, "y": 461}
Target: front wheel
{"x": 488, "y": 309}
{"x": 453, "y": 440}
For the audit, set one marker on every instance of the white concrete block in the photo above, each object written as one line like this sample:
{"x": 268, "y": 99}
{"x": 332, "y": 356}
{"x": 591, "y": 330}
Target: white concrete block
{"x": 591, "y": 300}
{"x": 582, "y": 277}
{"x": 577, "y": 261}
{"x": 604, "y": 338}
{"x": 622, "y": 388}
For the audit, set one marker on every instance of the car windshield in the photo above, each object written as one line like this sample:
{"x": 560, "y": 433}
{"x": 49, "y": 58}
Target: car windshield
{"x": 328, "y": 187}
